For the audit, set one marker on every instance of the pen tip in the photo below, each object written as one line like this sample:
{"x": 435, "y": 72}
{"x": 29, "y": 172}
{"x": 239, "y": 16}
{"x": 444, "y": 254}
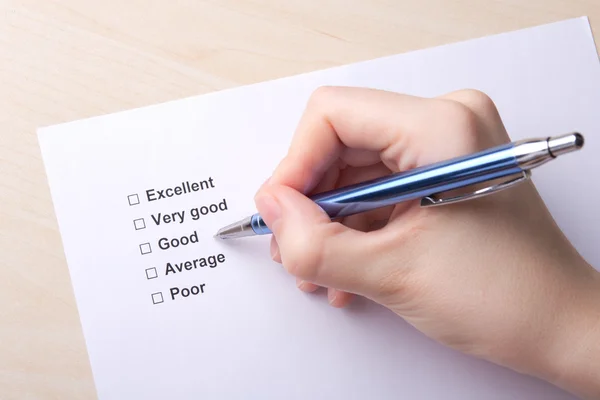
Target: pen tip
{"x": 236, "y": 230}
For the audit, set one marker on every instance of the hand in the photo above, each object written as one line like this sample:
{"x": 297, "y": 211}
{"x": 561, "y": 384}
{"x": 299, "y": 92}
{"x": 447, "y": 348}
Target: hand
{"x": 492, "y": 277}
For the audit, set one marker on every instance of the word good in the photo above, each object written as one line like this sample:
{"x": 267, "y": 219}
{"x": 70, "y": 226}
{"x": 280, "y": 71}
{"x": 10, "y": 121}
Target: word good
{"x": 166, "y": 243}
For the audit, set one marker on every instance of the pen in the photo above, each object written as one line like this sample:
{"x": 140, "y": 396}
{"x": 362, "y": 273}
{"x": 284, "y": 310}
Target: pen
{"x": 512, "y": 161}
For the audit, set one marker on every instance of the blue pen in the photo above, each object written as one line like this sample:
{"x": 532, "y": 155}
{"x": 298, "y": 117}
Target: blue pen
{"x": 512, "y": 161}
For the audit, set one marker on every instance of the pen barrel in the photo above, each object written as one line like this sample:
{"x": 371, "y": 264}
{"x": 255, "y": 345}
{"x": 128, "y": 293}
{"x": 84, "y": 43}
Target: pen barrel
{"x": 420, "y": 182}
{"x": 413, "y": 184}
{"x": 498, "y": 162}
{"x": 258, "y": 225}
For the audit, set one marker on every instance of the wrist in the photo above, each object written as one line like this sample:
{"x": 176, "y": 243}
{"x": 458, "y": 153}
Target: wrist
{"x": 573, "y": 358}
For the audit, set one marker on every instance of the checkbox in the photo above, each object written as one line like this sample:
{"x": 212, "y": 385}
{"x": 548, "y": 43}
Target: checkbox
{"x": 157, "y": 298}
{"x": 139, "y": 224}
{"x": 145, "y": 248}
{"x": 133, "y": 199}
{"x": 151, "y": 273}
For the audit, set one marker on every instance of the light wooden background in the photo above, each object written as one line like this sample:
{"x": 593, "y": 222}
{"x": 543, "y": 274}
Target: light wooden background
{"x": 62, "y": 60}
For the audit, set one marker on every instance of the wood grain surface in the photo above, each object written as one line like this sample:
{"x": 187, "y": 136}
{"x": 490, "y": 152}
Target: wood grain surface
{"x": 62, "y": 60}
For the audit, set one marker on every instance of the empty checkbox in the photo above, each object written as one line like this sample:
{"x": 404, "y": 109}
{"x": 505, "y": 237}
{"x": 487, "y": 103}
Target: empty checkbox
{"x": 133, "y": 199}
{"x": 151, "y": 273}
{"x": 145, "y": 248}
{"x": 139, "y": 224}
{"x": 157, "y": 298}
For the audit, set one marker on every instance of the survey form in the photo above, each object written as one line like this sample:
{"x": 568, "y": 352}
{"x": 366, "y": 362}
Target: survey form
{"x": 168, "y": 312}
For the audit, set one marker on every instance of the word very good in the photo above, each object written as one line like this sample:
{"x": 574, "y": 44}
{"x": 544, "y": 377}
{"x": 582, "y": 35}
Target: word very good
{"x": 185, "y": 188}
{"x": 211, "y": 262}
{"x": 194, "y": 213}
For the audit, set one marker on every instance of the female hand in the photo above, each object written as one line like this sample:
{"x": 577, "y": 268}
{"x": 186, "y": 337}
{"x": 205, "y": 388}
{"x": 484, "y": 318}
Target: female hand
{"x": 492, "y": 277}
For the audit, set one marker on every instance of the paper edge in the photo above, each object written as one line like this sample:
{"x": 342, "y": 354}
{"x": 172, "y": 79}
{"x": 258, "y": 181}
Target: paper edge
{"x": 42, "y": 129}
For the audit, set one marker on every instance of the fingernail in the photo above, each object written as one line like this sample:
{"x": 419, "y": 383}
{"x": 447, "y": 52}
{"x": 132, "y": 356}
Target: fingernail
{"x": 275, "y": 251}
{"x": 269, "y": 210}
{"x": 332, "y": 295}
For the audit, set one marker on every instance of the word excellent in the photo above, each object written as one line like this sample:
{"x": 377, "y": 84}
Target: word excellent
{"x": 194, "y": 213}
{"x": 185, "y": 188}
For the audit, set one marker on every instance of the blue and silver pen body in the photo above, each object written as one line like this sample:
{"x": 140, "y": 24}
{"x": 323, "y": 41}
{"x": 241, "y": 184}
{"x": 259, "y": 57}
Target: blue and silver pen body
{"x": 421, "y": 183}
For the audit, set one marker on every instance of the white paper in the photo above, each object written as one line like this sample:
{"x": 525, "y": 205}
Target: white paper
{"x": 252, "y": 334}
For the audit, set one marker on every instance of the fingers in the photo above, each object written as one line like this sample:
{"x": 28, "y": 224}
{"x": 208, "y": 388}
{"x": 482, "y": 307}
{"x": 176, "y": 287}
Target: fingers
{"x": 320, "y": 138}
{"x": 336, "y": 118}
{"x": 314, "y": 249}
{"x": 364, "y": 126}
{"x": 362, "y": 222}
{"x": 336, "y": 298}
{"x": 364, "y": 129}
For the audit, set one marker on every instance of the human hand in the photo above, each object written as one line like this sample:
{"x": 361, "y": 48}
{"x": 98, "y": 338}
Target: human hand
{"x": 492, "y": 277}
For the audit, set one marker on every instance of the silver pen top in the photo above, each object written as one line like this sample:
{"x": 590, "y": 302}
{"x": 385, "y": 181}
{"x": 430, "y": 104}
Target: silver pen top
{"x": 532, "y": 153}
{"x": 559, "y": 145}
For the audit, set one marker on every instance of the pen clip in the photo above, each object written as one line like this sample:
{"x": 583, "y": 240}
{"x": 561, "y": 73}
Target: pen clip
{"x": 432, "y": 200}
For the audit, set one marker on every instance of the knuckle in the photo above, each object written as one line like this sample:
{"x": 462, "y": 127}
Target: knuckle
{"x": 461, "y": 114}
{"x": 468, "y": 130}
{"x": 488, "y": 128}
{"x": 462, "y": 119}
{"x": 477, "y": 100}
{"x": 320, "y": 96}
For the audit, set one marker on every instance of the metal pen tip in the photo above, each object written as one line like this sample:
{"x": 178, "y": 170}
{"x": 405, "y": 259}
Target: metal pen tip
{"x": 236, "y": 230}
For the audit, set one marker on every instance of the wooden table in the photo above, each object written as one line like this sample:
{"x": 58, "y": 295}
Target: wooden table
{"x": 68, "y": 59}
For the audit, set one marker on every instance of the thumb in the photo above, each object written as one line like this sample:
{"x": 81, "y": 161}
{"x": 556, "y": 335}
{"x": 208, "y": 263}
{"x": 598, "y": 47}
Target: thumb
{"x": 315, "y": 249}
